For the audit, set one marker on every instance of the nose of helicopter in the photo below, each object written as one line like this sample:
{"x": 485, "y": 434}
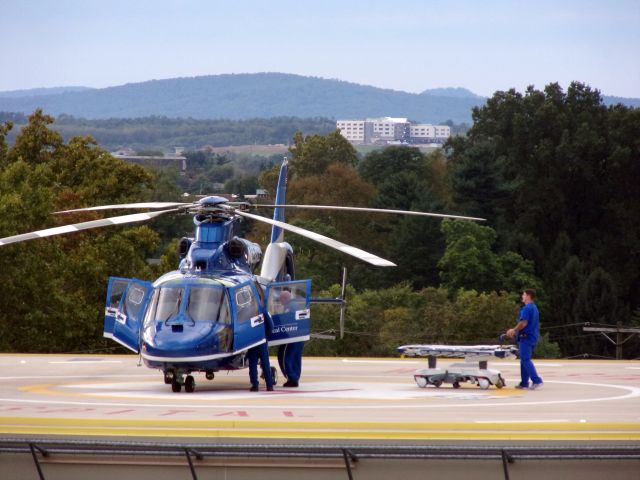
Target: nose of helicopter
{"x": 186, "y": 339}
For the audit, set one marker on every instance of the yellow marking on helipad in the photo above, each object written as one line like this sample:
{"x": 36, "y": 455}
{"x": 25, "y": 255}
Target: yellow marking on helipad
{"x": 321, "y": 430}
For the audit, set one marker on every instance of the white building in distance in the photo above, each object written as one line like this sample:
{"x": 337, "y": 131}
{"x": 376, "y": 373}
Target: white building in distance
{"x": 391, "y": 131}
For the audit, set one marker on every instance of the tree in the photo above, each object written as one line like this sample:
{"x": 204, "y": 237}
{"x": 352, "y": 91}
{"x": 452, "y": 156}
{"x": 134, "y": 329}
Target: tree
{"x": 311, "y": 155}
{"x": 53, "y": 288}
{"x": 550, "y": 161}
{"x": 469, "y": 261}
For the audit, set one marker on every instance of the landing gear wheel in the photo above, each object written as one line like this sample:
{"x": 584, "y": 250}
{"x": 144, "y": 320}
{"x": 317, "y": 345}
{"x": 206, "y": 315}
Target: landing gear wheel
{"x": 189, "y": 384}
{"x": 437, "y": 383}
{"x": 421, "y": 381}
{"x": 168, "y": 378}
{"x": 274, "y": 375}
{"x": 209, "y": 375}
{"x": 176, "y": 386}
{"x": 456, "y": 384}
{"x": 483, "y": 383}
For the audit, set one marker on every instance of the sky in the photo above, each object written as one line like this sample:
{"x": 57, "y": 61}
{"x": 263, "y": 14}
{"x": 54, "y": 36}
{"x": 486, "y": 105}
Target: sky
{"x": 412, "y": 45}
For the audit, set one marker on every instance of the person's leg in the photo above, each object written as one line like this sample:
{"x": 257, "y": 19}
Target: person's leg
{"x": 282, "y": 349}
{"x": 296, "y": 360}
{"x": 525, "y": 361}
{"x": 252, "y": 355}
{"x": 293, "y": 362}
{"x": 266, "y": 365}
{"x": 532, "y": 370}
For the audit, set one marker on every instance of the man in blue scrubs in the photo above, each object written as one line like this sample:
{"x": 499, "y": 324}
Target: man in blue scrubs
{"x": 527, "y": 332}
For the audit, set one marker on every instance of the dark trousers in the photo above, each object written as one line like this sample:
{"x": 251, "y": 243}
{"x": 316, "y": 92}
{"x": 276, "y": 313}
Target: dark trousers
{"x": 290, "y": 360}
{"x": 527, "y": 368}
{"x": 260, "y": 352}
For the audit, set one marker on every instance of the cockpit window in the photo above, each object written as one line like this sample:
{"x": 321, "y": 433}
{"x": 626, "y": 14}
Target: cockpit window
{"x": 167, "y": 302}
{"x": 204, "y": 303}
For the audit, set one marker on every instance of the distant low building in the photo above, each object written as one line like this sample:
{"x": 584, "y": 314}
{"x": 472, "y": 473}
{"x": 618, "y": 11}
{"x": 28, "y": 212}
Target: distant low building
{"x": 391, "y": 130}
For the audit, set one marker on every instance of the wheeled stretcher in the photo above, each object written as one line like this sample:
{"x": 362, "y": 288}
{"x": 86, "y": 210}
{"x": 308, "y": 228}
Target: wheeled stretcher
{"x": 474, "y": 369}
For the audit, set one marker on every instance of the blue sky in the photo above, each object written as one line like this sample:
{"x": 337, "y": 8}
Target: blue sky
{"x": 410, "y": 45}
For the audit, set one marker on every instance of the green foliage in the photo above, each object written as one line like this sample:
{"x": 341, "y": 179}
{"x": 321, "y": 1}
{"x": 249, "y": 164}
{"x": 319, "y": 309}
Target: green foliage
{"x": 555, "y": 173}
{"x": 53, "y": 288}
{"x": 469, "y": 261}
{"x": 312, "y": 155}
{"x": 545, "y": 348}
{"x": 378, "y": 321}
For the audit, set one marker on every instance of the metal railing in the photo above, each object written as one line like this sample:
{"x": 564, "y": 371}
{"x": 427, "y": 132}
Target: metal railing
{"x": 349, "y": 454}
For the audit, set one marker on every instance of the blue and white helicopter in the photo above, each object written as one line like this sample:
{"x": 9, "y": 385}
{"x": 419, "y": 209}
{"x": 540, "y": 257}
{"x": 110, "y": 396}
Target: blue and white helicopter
{"x": 206, "y": 315}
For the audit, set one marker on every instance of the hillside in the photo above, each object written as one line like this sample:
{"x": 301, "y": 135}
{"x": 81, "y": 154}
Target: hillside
{"x": 245, "y": 96}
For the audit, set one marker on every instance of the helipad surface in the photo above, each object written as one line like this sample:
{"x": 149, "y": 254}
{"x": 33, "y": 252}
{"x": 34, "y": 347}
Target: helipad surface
{"x": 348, "y": 399}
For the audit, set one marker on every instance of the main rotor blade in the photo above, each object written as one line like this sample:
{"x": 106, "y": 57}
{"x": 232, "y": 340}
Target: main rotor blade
{"x": 376, "y": 210}
{"x": 105, "y": 222}
{"x": 330, "y": 242}
{"x": 127, "y": 205}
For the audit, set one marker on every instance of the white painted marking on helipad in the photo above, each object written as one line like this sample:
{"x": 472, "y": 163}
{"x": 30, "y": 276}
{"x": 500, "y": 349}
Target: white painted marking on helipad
{"x": 393, "y": 362}
{"x": 316, "y": 390}
{"x": 41, "y": 377}
{"x": 631, "y": 392}
{"x": 84, "y": 362}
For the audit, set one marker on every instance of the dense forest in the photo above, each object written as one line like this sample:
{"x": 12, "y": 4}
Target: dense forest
{"x": 554, "y": 172}
{"x": 164, "y": 134}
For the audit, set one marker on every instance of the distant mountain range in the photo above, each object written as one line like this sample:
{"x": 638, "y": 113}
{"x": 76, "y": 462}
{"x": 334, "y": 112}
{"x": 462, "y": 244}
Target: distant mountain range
{"x": 246, "y": 96}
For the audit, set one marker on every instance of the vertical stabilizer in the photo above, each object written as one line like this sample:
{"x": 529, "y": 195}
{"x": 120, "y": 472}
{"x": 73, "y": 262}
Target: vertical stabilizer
{"x": 277, "y": 234}
{"x": 276, "y": 253}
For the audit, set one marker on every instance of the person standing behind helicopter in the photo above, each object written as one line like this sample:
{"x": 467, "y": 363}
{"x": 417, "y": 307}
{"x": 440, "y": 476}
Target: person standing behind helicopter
{"x": 290, "y": 354}
{"x": 261, "y": 352}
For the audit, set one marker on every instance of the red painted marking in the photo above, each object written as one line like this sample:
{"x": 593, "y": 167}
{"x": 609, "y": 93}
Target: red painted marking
{"x": 238, "y": 413}
{"x": 67, "y": 409}
{"x": 11, "y": 409}
{"x": 175, "y": 412}
{"x": 119, "y": 412}
{"x": 287, "y": 413}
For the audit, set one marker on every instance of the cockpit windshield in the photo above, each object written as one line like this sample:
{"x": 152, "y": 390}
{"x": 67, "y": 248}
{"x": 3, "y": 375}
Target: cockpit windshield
{"x": 195, "y": 302}
{"x": 204, "y": 303}
{"x": 167, "y": 302}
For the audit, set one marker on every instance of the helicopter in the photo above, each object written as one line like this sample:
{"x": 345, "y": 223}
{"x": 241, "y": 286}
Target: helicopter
{"x": 207, "y": 314}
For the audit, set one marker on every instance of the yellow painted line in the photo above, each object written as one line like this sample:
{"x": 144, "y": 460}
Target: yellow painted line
{"x": 319, "y": 430}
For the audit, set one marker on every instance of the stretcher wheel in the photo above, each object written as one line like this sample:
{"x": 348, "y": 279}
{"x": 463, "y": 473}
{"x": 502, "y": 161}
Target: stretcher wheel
{"x": 500, "y": 383}
{"x": 437, "y": 383}
{"x": 456, "y": 384}
{"x": 483, "y": 383}
{"x": 421, "y": 381}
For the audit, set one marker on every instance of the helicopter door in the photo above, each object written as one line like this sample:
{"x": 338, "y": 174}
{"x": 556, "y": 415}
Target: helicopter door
{"x": 248, "y": 320}
{"x": 126, "y": 305}
{"x": 288, "y": 305}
